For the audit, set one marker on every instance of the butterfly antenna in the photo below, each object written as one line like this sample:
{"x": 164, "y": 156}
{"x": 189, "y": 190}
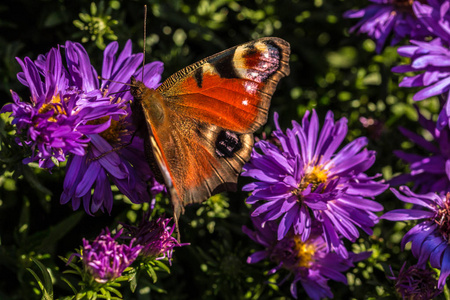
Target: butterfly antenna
{"x": 145, "y": 40}
{"x": 124, "y": 83}
{"x": 123, "y": 91}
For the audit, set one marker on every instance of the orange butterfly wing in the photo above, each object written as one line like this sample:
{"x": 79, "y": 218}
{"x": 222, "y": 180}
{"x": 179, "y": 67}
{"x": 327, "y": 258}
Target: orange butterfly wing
{"x": 231, "y": 89}
{"x": 201, "y": 119}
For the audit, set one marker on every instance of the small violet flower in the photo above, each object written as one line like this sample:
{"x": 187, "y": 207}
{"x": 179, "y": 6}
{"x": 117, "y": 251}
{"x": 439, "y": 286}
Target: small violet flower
{"x": 307, "y": 261}
{"x": 429, "y": 238}
{"x": 307, "y": 181}
{"x": 384, "y": 18}
{"x": 155, "y": 237}
{"x": 415, "y": 283}
{"x": 105, "y": 259}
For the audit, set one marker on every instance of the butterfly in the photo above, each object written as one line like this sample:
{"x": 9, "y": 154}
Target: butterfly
{"x": 198, "y": 125}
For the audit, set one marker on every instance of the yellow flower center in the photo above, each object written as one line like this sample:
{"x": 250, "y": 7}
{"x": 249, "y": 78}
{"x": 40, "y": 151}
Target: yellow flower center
{"x": 305, "y": 252}
{"x": 55, "y": 105}
{"x": 314, "y": 177}
{"x": 114, "y": 132}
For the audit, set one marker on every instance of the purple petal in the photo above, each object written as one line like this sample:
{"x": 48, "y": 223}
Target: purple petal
{"x": 406, "y": 214}
{"x": 433, "y": 90}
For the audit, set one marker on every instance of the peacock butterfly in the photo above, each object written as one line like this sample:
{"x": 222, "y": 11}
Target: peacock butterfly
{"x": 199, "y": 123}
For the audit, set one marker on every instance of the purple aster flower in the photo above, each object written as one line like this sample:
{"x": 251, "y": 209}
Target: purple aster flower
{"x": 52, "y": 123}
{"x": 388, "y": 17}
{"x": 429, "y": 238}
{"x": 105, "y": 259}
{"x": 155, "y": 236}
{"x": 431, "y": 58}
{"x": 415, "y": 283}
{"x": 307, "y": 261}
{"x": 71, "y": 113}
{"x": 429, "y": 173}
{"x": 306, "y": 180}
{"x": 107, "y": 158}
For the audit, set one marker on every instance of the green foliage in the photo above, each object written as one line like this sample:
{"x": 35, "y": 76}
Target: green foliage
{"x": 330, "y": 70}
{"x": 45, "y": 284}
{"x": 97, "y": 25}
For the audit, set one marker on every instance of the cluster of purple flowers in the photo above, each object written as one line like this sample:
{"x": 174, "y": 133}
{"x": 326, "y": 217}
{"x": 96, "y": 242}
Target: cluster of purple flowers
{"x": 106, "y": 258}
{"x": 71, "y": 114}
{"x": 156, "y": 238}
{"x": 309, "y": 197}
{"x": 429, "y": 238}
{"x": 427, "y": 24}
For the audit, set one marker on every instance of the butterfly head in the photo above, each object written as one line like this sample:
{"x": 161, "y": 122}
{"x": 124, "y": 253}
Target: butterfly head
{"x": 148, "y": 104}
{"x": 137, "y": 89}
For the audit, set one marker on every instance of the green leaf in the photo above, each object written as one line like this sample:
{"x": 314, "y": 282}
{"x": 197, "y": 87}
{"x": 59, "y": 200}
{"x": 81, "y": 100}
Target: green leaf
{"x": 47, "y": 285}
{"x": 81, "y": 295}
{"x": 78, "y": 24}
{"x": 74, "y": 290}
{"x": 77, "y": 270}
{"x": 114, "y": 291}
{"x": 151, "y": 272}
{"x": 91, "y": 295}
{"x": 162, "y": 265}
{"x": 85, "y": 17}
{"x": 93, "y": 9}
{"x": 157, "y": 289}
{"x": 133, "y": 280}
{"x": 55, "y": 161}
{"x": 38, "y": 280}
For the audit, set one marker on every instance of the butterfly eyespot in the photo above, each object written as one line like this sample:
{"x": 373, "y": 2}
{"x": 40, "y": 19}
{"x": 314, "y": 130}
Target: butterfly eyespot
{"x": 227, "y": 143}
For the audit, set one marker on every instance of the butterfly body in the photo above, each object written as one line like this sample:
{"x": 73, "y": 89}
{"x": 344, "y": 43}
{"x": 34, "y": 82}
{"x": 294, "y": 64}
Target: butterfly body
{"x": 199, "y": 123}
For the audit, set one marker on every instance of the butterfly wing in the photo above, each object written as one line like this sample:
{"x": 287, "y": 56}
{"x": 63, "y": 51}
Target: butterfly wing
{"x": 231, "y": 89}
{"x": 201, "y": 119}
{"x": 192, "y": 162}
